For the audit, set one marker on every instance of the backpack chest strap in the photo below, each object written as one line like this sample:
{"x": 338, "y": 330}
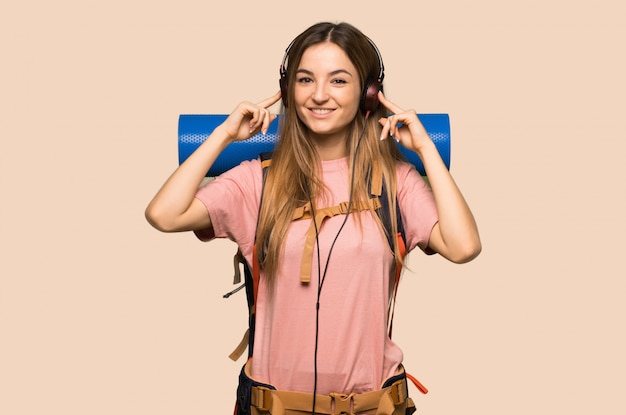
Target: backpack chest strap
{"x": 304, "y": 212}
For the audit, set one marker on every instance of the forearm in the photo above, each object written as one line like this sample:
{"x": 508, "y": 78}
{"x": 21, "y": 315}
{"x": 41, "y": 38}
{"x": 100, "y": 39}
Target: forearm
{"x": 456, "y": 236}
{"x": 167, "y": 210}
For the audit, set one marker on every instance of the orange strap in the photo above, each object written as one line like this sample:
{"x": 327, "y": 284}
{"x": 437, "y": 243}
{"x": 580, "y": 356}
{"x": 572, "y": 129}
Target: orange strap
{"x": 417, "y": 384}
{"x": 402, "y": 249}
{"x": 321, "y": 214}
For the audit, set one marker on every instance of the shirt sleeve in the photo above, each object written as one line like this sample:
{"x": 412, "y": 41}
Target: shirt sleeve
{"x": 232, "y": 201}
{"x": 417, "y": 207}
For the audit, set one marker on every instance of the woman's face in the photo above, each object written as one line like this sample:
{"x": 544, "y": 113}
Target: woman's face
{"x": 327, "y": 92}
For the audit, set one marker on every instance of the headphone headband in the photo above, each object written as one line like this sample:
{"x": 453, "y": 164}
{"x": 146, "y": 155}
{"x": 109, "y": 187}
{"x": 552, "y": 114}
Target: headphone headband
{"x": 381, "y": 73}
{"x": 283, "y": 70}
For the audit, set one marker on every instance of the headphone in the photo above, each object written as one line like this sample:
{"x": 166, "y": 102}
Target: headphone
{"x": 369, "y": 97}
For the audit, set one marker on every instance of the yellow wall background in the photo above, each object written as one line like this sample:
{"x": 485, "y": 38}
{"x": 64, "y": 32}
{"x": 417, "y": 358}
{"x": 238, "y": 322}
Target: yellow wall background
{"x": 101, "y": 314}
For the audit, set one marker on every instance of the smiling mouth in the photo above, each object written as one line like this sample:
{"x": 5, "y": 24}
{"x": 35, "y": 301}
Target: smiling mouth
{"x": 321, "y": 111}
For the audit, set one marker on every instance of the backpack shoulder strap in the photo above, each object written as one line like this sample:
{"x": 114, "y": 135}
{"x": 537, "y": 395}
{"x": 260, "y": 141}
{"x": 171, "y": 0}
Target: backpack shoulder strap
{"x": 378, "y": 188}
{"x": 251, "y": 277}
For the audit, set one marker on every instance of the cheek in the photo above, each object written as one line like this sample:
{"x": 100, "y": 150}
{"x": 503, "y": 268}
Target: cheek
{"x": 354, "y": 102}
{"x": 301, "y": 93}
{"x": 299, "y": 99}
{"x": 300, "y": 114}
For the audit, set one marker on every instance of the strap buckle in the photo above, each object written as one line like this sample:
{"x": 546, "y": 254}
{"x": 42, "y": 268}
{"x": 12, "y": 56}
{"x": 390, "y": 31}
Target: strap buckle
{"x": 342, "y": 404}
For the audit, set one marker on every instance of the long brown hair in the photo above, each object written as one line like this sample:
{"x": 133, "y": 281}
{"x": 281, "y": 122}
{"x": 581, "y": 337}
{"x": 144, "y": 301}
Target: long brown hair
{"x": 293, "y": 178}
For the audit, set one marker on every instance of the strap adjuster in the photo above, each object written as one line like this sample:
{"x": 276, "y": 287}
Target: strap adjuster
{"x": 261, "y": 398}
{"x": 399, "y": 392}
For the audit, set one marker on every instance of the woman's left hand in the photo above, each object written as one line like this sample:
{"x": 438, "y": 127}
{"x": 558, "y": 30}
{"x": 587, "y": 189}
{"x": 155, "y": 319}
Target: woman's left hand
{"x": 455, "y": 235}
{"x": 411, "y": 134}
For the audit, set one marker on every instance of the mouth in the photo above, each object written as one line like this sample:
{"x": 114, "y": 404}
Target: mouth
{"x": 321, "y": 111}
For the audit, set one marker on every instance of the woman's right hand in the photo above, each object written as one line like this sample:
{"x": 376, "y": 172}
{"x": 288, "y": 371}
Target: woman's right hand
{"x": 247, "y": 119}
{"x": 174, "y": 208}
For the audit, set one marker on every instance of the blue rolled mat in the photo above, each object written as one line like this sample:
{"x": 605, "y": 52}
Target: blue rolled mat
{"x": 193, "y": 129}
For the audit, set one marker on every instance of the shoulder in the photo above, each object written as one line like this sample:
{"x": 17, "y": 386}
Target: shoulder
{"x": 246, "y": 167}
{"x": 406, "y": 171}
{"x": 410, "y": 183}
{"x": 247, "y": 173}
{"x": 240, "y": 182}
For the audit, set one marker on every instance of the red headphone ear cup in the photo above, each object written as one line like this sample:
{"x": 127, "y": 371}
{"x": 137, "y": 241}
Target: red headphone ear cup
{"x": 283, "y": 89}
{"x": 369, "y": 99}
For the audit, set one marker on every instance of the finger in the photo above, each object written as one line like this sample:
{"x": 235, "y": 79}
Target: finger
{"x": 267, "y": 121}
{"x": 390, "y": 124}
{"x": 258, "y": 120}
{"x": 391, "y": 128}
{"x": 388, "y": 104}
{"x": 265, "y": 116}
{"x": 261, "y": 120}
{"x": 264, "y": 120}
{"x": 255, "y": 113}
{"x": 268, "y": 102}
{"x": 384, "y": 133}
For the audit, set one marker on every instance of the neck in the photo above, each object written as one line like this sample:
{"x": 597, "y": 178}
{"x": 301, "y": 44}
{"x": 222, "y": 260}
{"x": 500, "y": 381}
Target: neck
{"x": 330, "y": 148}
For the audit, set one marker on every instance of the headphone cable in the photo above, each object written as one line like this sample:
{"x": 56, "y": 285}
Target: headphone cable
{"x": 322, "y": 277}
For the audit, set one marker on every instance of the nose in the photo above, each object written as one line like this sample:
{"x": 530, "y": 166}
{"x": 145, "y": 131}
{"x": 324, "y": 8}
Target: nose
{"x": 320, "y": 93}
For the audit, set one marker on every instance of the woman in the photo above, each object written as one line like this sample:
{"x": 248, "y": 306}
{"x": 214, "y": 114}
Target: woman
{"x": 326, "y": 275}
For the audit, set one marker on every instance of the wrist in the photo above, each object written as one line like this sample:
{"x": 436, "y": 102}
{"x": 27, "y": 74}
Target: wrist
{"x": 221, "y": 137}
{"x": 427, "y": 150}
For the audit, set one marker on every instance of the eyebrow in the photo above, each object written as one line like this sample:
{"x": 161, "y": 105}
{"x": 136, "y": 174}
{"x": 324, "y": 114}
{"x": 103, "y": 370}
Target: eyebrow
{"x": 335, "y": 72}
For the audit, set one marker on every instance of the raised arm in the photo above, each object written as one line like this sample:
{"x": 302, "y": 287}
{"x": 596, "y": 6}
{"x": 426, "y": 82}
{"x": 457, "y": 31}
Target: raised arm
{"x": 174, "y": 208}
{"x": 455, "y": 236}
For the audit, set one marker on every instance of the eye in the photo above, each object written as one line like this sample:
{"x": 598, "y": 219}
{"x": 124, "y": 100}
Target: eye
{"x": 339, "y": 81}
{"x": 304, "y": 80}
